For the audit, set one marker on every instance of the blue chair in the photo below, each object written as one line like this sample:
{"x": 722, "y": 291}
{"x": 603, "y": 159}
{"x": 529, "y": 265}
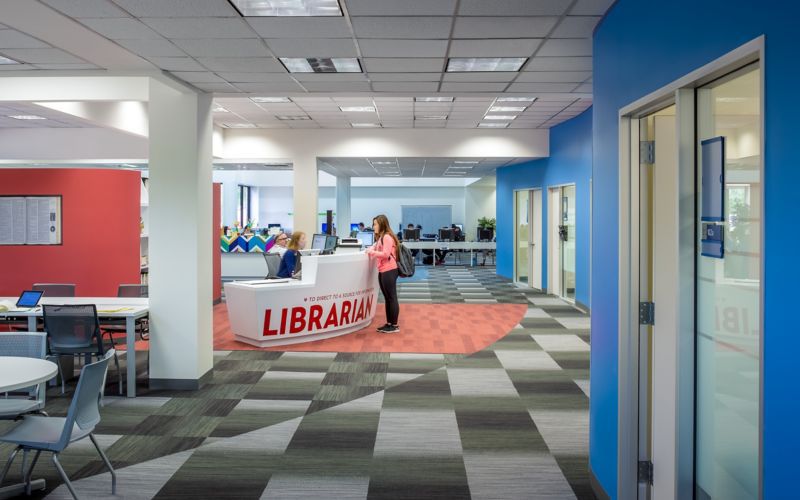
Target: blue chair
{"x": 54, "y": 434}
{"x": 28, "y": 345}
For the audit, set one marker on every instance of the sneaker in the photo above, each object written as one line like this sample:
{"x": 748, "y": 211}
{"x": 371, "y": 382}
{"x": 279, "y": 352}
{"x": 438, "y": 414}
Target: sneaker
{"x": 390, "y": 329}
{"x": 382, "y": 328}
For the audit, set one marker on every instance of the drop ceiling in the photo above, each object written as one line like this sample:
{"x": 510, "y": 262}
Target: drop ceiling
{"x": 415, "y": 167}
{"x": 403, "y": 47}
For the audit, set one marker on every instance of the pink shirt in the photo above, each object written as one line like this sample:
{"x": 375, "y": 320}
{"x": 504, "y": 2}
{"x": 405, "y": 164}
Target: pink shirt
{"x": 385, "y": 253}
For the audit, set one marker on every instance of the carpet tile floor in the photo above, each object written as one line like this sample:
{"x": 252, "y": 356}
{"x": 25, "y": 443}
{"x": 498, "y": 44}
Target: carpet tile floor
{"x": 507, "y": 422}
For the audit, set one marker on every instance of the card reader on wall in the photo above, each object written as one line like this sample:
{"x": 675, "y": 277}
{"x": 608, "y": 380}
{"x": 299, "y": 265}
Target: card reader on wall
{"x": 713, "y": 241}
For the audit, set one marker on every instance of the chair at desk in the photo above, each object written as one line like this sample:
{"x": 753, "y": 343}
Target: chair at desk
{"x": 75, "y": 329}
{"x": 25, "y": 345}
{"x": 116, "y": 326}
{"x": 273, "y": 264}
{"x": 55, "y": 289}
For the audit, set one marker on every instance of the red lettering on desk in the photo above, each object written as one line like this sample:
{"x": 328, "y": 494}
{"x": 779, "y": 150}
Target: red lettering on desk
{"x": 283, "y": 321}
{"x": 368, "y": 307}
{"x": 298, "y": 323}
{"x": 267, "y": 320}
{"x": 332, "y": 319}
{"x": 314, "y": 317}
{"x": 360, "y": 314}
{"x": 346, "y": 308}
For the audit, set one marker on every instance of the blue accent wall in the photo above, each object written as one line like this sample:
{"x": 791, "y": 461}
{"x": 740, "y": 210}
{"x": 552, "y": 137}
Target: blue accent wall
{"x": 570, "y": 162}
{"x": 638, "y": 48}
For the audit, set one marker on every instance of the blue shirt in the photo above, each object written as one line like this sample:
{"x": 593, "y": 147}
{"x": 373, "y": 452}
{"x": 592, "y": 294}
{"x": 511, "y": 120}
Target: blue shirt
{"x": 288, "y": 263}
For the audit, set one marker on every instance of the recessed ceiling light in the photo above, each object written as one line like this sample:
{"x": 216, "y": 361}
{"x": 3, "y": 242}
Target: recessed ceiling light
{"x": 492, "y": 125}
{"x": 287, "y": 8}
{"x": 321, "y": 64}
{"x": 432, "y": 117}
{"x": 466, "y": 162}
{"x": 516, "y": 99}
{"x": 460, "y": 167}
{"x": 366, "y": 125}
{"x": 219, "y": 109}
{"x": 239, "y": 125}
{"x": 357, "y": 109}
{"x": 460, "y": 64}
{"x": 27, "y": 117}
{"x": 292, "y": 117}
{"x": 500, "y": 109}
{"x": 433, "y": 99}
{"x": 6, "y": 60}
{"x": 270, "y": 99}
{"x": 499, "y": 117}
{"x": 384, "y": 163}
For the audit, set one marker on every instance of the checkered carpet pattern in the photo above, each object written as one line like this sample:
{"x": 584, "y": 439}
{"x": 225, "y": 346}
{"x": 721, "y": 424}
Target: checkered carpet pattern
{"x": 507, "y": 422}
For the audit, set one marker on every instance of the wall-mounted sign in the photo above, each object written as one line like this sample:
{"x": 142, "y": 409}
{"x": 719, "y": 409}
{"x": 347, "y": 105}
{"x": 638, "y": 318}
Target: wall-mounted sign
{"x": 713, "y": 180}
{"x": 30, "y": 220}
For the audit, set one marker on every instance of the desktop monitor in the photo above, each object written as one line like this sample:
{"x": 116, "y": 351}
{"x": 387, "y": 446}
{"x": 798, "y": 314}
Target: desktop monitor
{"x": 270, "y": 226}
{"x": 325, "y": 227}
{"x": 445, "y": 234}
{"x": 318, "y": 242}
{"x": 367, "y": 238}
{"x": 411, "y": 234}
{"x": 460, "y": 227}
{"x": 354, "y": 227}
{"x": 330, "y": 244}
{"x": 485, "y": 234}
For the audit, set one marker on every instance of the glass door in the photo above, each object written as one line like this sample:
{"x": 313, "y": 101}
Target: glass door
{"x": 521, "y": 235}
{"x": 728, "y": 259}
{"x": 567, "y": 231}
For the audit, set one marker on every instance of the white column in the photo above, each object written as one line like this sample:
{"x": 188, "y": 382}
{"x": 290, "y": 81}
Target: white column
{"x": 180, "y": 251}
{"x": 343, "y": 206}
{"x": 306, "y": 191}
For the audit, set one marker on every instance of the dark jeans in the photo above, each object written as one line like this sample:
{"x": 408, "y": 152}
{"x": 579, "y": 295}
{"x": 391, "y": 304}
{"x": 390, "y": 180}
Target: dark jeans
{"x": 388, "y": 283}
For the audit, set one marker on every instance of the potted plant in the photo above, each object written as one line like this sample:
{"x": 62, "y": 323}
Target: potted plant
{"x": 487, "y": 223}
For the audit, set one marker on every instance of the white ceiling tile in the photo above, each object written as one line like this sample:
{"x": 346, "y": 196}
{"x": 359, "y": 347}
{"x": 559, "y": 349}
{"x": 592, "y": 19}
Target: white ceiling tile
{"x": 13, "y": 39}
{"x": 312, "y": 47}
{"x": 405, "y": 77}
{"x": 480, "y": 76}
{"x": 215, "y": 87}
{"x": 425, "y": 28}
{"x": 584, "y": 88}
{"x": 67, "y": 66}
{"x": 404, "y": 65}
{"x": 494, "y": 48}
{"x": 198, "y": 77}
{"x": 121, "y": 28}
{"x": 405, "y": 86}
{"x": 223, "y": 47}
{"x": 158, "y": 47}
{"x": 242, "y": 64}
{"x": 513, "y": 7}
{"x": 178, "y": 8}
{"x": 16, "y": 67}
{"x": 403, "y": 48}
{"x": 311, "y": 100}
{"x": 300, "y": 27}
{"x": 560, "y": 47}
{"x": 87, "y": 8}
{"x": 576, "y": 27}
{"x": 541, "y": 87}
{"x": 255, "y": 77}
{"x": 205, "y": 27}
{"x": 554, "y": 76}
{"x": 270, "y": 87}
{"x": 395, "y": 8}
{"x": 591, "y": 7}
{"x": 473, "y": 87}
{"x": 503, "y": 27}
{"x": 176, "y": 63}
{"x": 44, "y": 56}
{"x": 559, "y": 64}
{"x": 337, "y": 87}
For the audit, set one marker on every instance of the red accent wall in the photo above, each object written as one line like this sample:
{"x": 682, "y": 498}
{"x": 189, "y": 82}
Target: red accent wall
{"x": 100, "y": 231}
{"x": 216, "y": 253}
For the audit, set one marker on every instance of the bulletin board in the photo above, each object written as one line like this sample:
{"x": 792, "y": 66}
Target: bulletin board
{"x": 30, "y": 220}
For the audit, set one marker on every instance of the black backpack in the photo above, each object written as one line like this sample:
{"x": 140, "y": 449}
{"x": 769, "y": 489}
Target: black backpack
{"x": 405, "y": 262}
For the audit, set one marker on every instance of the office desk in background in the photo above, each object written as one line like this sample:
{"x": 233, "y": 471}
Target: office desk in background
{"x": 472, "y": 246}
{"x": 130, "y": 309}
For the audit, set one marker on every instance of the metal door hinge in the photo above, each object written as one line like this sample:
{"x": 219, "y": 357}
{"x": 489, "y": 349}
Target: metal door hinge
{"x": 647, "y": 313}
{"x": 646, "y": 472}
{"x": 647, "y": 152}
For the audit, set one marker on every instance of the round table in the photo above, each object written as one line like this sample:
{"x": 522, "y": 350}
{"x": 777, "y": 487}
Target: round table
{"x": 16, "y": 372}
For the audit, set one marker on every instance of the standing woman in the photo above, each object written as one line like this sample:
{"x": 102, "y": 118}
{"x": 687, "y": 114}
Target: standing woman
{"x": 384, "y": 251}
{"x": 292, "y": 255}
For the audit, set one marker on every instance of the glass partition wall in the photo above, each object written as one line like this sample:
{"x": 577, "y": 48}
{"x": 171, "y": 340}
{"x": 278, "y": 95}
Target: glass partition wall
{"x": 521, "y": 235}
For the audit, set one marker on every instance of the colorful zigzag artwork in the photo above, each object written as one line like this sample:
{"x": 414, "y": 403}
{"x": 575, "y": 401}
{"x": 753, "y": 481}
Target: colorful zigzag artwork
{"x": 246, "y": 244}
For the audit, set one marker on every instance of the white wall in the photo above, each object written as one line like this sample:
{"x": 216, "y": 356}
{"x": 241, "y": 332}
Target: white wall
{"x": 479, "y": 201}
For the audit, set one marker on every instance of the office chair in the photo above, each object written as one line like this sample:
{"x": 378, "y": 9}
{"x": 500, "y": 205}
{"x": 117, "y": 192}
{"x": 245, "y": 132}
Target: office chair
{"x": 55, "y": 289}
{"x": 273, "y": 264}
{"x": 115, "y": 326}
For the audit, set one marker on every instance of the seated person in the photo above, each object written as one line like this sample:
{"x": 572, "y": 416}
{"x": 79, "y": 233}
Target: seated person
{"x": 280, "y": 244}
{"x": 291, "y": 258}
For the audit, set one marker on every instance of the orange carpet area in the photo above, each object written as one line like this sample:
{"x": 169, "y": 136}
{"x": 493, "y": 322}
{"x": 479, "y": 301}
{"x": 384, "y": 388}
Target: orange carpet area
{"x": 424, "y": 328}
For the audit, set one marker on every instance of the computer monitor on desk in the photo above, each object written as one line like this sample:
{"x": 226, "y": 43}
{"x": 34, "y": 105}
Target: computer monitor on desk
{"x": 330, "y": 245}
{"x": 485, "y": 234}
{"x": 445, "y": 234}
{"x": 318, "y": 242}
{"x": 411, "y": 234}
{"x": 367, "y": 238}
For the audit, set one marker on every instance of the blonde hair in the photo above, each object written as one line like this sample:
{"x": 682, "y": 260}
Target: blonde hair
{"x": 294, "y": 241}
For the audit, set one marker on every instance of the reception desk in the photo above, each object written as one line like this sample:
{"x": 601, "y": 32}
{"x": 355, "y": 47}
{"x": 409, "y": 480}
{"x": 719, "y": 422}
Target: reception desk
{"x": 337, "y": 294}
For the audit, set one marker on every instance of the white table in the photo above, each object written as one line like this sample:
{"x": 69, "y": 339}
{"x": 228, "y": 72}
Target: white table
{"x": 130, "y": 309}
{"x": 472, "y": 246}
{"x": 16, "y": 373}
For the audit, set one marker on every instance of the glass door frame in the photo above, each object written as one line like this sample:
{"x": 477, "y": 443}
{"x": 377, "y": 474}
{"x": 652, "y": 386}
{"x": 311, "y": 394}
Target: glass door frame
{"x": 533, "y": 226}
{"x": 517, "y": 193}
{"x": 682, "y": 92}
{"x": 551, "y": 230}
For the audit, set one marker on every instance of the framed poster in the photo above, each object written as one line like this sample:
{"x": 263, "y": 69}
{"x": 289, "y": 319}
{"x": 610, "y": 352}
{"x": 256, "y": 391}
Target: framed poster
{"x": 30, "y": 220}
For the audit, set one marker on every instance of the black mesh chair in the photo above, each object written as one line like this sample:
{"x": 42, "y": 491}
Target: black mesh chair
{"x": 75, "y": 330}
{"x": 55, "y": 289}
{"x": 113, "y": 327}
{"x": 273, "y": 264}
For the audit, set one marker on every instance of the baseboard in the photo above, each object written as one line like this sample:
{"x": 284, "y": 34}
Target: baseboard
{"x": 598, "y": 490}
{"x": 181, "y": 384}
{"x": 583, "y": 307}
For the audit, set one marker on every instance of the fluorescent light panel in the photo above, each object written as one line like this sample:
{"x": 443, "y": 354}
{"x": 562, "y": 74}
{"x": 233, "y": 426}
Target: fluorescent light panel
{"x": 6, "y": 60}
{"x": 219, "y": 109}
{"x": 431, "y": 117}
{"x": 357, "y": 109}
{"x": 516, "y": 99}
{"x": 499, "y": 117}
{"x": 466, "y": 162}
{"x": 292, "y": 117}
{"x": 433, "y": 99}
{"x": 27, "y": 117}
{"x": 239, "y": 125}
{"x": 506, "y": 109}
{"x": 366, "y": 125}
{"x": 321, "y": 64}
{"x": 492, "y": 125}
{"x": 463, "y": 64}
{"x": 270, "y": 99}
{"x": 287, "y": 8}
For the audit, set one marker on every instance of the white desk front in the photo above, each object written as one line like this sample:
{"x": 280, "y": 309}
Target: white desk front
{"x": 337, "y": 294}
